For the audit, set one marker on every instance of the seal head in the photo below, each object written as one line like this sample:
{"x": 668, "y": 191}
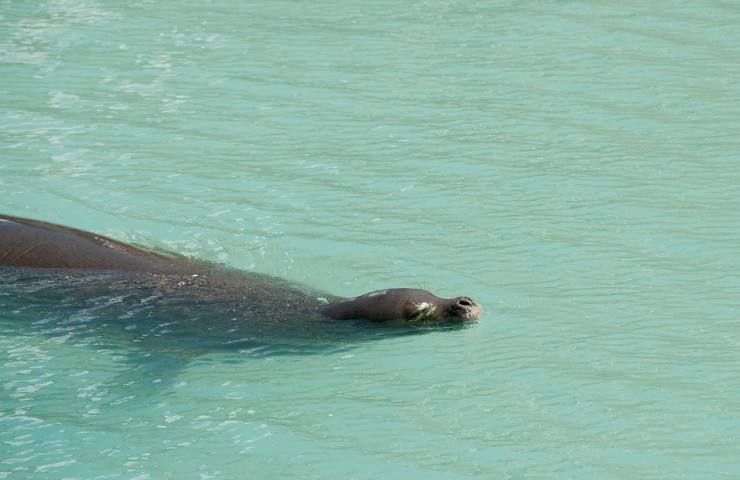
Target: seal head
{"x": 405, "y": 306}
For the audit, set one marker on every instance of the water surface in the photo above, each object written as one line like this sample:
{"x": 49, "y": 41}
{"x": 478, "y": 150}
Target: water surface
{"x": 571, "y": 165}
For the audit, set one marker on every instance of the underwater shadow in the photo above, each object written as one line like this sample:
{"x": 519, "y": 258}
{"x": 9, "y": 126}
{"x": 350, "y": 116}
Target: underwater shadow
{"x": 159, "y": 333}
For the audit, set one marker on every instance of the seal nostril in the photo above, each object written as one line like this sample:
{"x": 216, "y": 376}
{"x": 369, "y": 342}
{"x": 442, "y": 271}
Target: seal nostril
{"x": 465, "y": 302}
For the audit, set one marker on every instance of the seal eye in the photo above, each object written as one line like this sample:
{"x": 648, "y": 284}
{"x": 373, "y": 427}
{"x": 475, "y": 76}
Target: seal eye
{"x": 422, "y": 313}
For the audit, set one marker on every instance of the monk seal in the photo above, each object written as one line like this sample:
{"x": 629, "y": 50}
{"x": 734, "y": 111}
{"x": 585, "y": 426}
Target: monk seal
{"x": 95, "y": 262}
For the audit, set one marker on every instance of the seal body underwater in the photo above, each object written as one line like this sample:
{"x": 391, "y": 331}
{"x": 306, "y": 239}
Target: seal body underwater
{"x": 32, "y": 252}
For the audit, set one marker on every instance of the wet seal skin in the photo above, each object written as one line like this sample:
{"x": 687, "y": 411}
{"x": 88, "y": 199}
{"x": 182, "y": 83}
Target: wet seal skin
{"x": 67, "y": 252}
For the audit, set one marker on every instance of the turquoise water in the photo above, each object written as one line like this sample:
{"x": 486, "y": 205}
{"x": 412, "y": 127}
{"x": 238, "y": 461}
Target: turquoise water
{"x": 571, "y": 165}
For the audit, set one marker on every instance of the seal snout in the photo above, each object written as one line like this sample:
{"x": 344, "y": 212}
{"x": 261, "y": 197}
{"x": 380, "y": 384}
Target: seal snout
{"x": 465, "y": 309}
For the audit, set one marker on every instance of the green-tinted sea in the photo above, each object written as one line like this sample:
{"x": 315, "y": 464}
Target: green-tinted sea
{"x": 572, "y": 165}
